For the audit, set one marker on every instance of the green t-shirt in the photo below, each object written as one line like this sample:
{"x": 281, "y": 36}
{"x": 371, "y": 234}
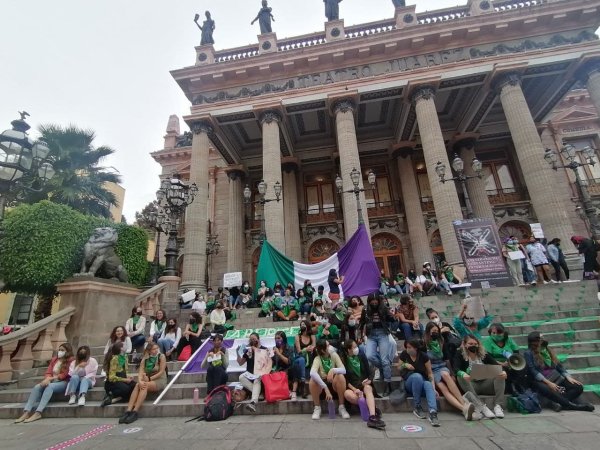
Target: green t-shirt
{"x": 354, "y": 364}
{"x": 496, "y": 351}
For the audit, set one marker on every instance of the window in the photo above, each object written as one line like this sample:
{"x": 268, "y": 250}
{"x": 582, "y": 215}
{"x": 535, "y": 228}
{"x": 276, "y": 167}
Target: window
{"x": 380, "y": 196}
{"x": 424, "y": 187}
{"x": 498, "y": 178}
{"x": 585, "y": 172}
{"x": 21, "y": 310}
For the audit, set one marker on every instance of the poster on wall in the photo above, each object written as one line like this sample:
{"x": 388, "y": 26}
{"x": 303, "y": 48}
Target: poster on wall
{"x": 481, "y": 250}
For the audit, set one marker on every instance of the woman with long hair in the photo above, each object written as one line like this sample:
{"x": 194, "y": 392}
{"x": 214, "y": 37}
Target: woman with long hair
{"x": 83, "y": 376}
{"x": 334, "y": 281}
{"x": 473, "y": 352}
{"x": 191, "y": 335}
{"x": 359, "y": 382}
{"x": 215, "y": 362}
{"x": 118, "y": 385}
{"x": 326, "y": 374}
{"x": 157, "y": 326}
{"x": 374, "y": 325}
{"x": 152, "y": 377}
{"x": 136, "y": 327}
{"x": 355, "y": 309}
{"x": 550, "y": 379}
{"x": 304, "y": 343}
{"x": 439, "y": 359}
{"x": 170, "y": 337}
{"x": 55, "y": 381}
{"x": 118, "y": 334}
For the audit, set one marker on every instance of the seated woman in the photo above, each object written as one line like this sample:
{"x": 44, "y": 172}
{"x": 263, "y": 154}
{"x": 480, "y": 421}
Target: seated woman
{"x": 157, "y": 326}
{"x": 500, "y": 346}
{"x": 309, "y": 291}
{"x": 83, "y": 376}
{"x": 169, "y": 339}
{"x": 400, "y": 284}
{"x": 329, "y": 332}
{"x": 245, "y": 296}
{"x": 419, "y": 380}
{"x": 416, "y": 288}
{"x": 467, "y": 326}
{"x": 359, "y": 382}
{"x": 385, "y": 287}
{"x": 200, "y": 305}
{"x": 286, "y": 308}
{"x": 247, "y": 356}
{"x": 304, "y": 344}
{"x": 216, "y": 362}
{"x": 261, "y": 292}
{"x": 439, "y": 359}
{"x": 550, "y": 379}
{"x": 267, "y": 304}
{"x": 472, "y": 352}
{"x": 305, "y": 302}
{"x": 355, "y": 309}
{"x": 152, "y": 377}
{"x": 408, "y": 315}
{"x": 55, "y": 380}
{"x": 136, "y": 328}
{"x": 428, "y": 279}
{"x": 118, "y": 334}
{"x": 327, "y": 374}
{"x": 118, "y": 385}
{"x": 283, "y": 357}
{"x": 278, "y": 288}
{"x": 191, "y": 334}
{"x": 218, "y": 318}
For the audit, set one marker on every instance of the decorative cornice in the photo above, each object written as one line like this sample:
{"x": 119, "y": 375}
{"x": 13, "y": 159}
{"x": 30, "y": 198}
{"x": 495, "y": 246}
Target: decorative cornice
{"x": 466, "y": 143}
{"x": 403, "y": 152}
{"x": 202, "y": 126}
{"x": 506, "y": 79}
{"x": 235, "y": 172}
{"x": 270, "y": 116}
{"x": 426, "y": 92}
{"x": 344, "y": 105}
{"x": 588, "y": 69}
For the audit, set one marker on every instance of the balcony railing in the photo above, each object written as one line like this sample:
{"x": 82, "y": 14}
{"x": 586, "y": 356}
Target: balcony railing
{"x": 427, "y": 204}
{"x": 503, "y": 196}
{"x": 321, "y": 215}
{"x": 383, "y": 209}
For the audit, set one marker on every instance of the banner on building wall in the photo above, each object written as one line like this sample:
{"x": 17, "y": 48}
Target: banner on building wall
{"x": 481, "y": 250}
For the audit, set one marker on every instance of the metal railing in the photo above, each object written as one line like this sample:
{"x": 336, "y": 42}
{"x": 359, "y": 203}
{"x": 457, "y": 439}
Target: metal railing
{"x": 321, "y": 215}
{"x": 503, "y": 196}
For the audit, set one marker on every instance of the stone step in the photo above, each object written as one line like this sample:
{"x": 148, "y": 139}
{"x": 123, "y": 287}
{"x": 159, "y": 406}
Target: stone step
{"x": 562, "y": 336}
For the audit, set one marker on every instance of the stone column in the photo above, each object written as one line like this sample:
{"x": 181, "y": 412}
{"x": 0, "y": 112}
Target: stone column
{"x": 349, "y": 159}
{"x": 293, "y": 246}
{"x": 539, "y": 177}
{"x": 235, "y": 228}
{"x": 274, "y": 219}
{"x": 445, "y": 198}
{"x": 475, "y": 186}
{"x": 590, "y": 74}
{"x": 421, "y": 250}
{"x": 196, "y": 219}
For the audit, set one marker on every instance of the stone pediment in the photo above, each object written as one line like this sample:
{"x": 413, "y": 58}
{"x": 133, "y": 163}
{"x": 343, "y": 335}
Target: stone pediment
{"x": 576, "y": 113}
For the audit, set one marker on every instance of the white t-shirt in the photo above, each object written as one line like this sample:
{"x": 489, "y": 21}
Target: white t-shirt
{"x": 200, "y": 306}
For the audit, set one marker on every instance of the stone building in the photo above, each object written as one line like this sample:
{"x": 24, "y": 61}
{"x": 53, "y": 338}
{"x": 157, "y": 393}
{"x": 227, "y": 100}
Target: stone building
{"x": 497, "y": 80}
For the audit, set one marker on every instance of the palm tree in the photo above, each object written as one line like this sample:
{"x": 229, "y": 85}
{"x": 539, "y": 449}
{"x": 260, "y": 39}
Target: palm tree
{"x": 80, "y": 180}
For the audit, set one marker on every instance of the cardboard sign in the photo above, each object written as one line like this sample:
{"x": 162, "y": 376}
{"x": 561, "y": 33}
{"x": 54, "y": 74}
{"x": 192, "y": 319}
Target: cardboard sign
{"x": 188, "y": 296}
{"x": 262, "y": 362}
{"x": 232, "y": 279}
{"x": 516, "y": 255}
{"x": 536, "y": 230}
{"x": 474, "y": 307}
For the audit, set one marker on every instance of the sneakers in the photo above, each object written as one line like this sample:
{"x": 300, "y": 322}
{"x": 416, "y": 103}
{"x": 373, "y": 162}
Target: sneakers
{"x": 131, "y": 417}
{"x": 477, "y": 416}
{"x": 36, "y": 416}
{"x": 23, "y": 417}
{"x": 468, "y": 410}
{"x": 124, "y": 417}
{"x": 487, "y": 413}
{"x": 499, "y": 412}
{"x": 316, "y": 415}
{"x": 375, "y": 422}
{"x": 251, "y": 407}
{"x": 72, "y": 399}
{"x": 81, "y": 401}
{"x": 293, "y": 396}
{"x": 433, "y": 419}
{"x": 107, "y": 400}
{"x": 343, "y": 412}
{"x": 418, "y": 411}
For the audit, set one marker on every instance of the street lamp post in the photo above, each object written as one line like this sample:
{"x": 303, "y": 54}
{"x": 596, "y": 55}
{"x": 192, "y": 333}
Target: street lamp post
{"x": 356, "y": 190}
{"x": 458, "y": 165}
{"x": 212, "y": 248}
{"x": 262, "y": 200}
{"x": 174, "y": 196}
{"x": 569, "y": 153}
{"x": 157, "y": 220}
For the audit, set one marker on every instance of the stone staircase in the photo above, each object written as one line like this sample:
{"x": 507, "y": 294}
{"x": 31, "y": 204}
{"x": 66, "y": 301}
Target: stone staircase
{"x": 567, "y": 314}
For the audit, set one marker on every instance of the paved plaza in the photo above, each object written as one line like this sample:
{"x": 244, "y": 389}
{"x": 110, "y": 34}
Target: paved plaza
{"x": 549, "y": 430}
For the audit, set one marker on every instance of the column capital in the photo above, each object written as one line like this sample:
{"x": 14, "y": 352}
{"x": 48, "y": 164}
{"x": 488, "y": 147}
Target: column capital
{"x": 506, "y": 79}
{"x": 290, "y": 164}
{"x": 425, "y": 92}
{"x": 236, "y": 172}
{"x": 464, "y": 143}
{"x": 344, "y": 105}
{"x": 587, "y": 69}
{"x": 270, "y": 116}
{"x": 403, "y": 151}
{"x": 202, "y": 126}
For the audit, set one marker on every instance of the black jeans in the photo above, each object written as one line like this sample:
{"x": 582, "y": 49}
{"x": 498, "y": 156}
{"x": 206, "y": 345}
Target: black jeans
{"x": 193, "y": 341}
{"x": 572, "y": 392}
{"x": 557, "y": 266}
{"x": 215, "y": 376}
{"x": 119, "y": 389}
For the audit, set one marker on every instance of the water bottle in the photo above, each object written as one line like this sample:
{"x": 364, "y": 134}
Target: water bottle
{"x": 196, "y": 396}
{"x": 506, "y": 354}
{"x": 364, "y": 409}
{"x": 331, "y": 407}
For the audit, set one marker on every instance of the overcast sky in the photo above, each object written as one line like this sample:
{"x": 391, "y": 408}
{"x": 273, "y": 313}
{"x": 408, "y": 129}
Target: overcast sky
{"x": 104, "y": 65}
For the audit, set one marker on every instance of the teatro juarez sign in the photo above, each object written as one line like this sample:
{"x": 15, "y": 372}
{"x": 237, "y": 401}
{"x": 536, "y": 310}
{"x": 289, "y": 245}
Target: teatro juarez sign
{"x": 398, "y": 65}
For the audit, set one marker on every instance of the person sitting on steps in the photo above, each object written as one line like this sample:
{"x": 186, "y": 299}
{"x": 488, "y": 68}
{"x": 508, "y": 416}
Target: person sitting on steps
{"x": 83, "y": 376}
{"x": 326, "y": 374}
{"x": 118, "y": 385}
{"x": 136, "y": 328}
{"x": 216, "y": 368}
{"x": 304, "y": 343}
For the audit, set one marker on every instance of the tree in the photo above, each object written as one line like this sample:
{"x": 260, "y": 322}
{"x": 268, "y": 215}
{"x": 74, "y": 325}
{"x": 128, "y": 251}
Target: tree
{"x": 42, "y": 245}
{"x": 142, "y": 218}
{"x": 80, "y": 180}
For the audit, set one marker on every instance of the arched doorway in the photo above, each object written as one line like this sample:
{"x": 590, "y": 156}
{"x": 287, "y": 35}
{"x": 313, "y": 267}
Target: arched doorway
{"x": 516, "y": 228}
{"x": 437, "y": 248}
{"x": 388, "y": 253}
{"x": 321, "y": 250}
{"x": 255, "y": 259}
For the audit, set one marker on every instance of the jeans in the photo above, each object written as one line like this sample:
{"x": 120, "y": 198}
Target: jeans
{"x": 402, "y": 288}
{"x": 516, "y": 271}
{"x": 299, "y": 369}
{"x": 253, "y": 386}
{"x": 380, "y": 340}
{"x": 138, "y": 341}
{"x": 408, "y": 330}
{"x": 416, "y": 386}
{"x": 305, "y": 308}
{"x": 77, "y": 383}
{"x": 165, "y": 345}
{"x": 385, "y": 289}
{"x": 445, "y": 285}
{"x": 215, "y": 376}
{"x": 571, "y": 394}
{"x": 41, "y": 395}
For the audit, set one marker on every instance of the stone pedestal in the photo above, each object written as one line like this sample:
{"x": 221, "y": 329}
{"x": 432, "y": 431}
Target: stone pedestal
{"x": 406, "y": 16}
{"x": 267, "y": 43}
{"x": 100, "y": 306}
{"x": 170, "y": 297}
{"x": 334, "y": 30}
{"x": 205, "y": 54}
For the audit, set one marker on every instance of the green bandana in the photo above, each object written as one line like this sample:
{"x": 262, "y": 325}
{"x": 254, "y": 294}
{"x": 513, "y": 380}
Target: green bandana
{"x": 135, "y": 319}
{"x": 545, "y": 354}
{"x": 340, "y": 315}
{"x": 497, "y": 338}
{"x": 122, "y": 359}
{"x": 326, "y": 363}
{"x": 354, "y": 363}
{"x": 194, "y": 327}
{"x": 158, "y": 324}
{"x": 150, "y": 363}
{"x": 434, "y": 347}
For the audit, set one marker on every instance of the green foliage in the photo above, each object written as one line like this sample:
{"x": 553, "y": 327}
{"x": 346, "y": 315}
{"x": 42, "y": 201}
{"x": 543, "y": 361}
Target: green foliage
{"x": 42, "y": 245}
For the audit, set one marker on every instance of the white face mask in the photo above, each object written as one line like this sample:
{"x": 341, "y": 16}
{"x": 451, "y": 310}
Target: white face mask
{"x": 61, "y": 353}
{"x": 355, "y": 351}
{"x": 351, "y": 322}
{"x": 437, "y": 321}
{"x": 468, "y": 321}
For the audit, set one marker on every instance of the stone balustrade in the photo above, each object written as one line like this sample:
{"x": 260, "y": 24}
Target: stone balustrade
{"x": 298, "y": 42}
{"x": 370, "y": 29}
{"x": 507, "y": 5}
{"x": 33, "y": 344}
{"x": 151, "y": 299}
{"x": 236, "y": 54}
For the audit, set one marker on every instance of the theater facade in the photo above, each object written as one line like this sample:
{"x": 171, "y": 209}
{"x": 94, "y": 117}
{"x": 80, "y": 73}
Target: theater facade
{"x": 500, "y": 81}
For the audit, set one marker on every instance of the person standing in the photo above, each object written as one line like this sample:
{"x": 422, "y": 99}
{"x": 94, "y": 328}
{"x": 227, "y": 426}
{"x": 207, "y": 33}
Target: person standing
{"x": 557, "y": 259}
{"x": 537, "y": 255}
{"x": 334, "y": 281}
{"x": 589, "y": 249}
{"x": 514, "y": 265}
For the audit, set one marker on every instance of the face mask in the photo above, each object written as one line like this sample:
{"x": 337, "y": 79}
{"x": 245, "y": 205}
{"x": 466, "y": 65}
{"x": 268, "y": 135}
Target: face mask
{"x": 497, "y": 337}
{"x": 468, "y": 321}
{"x": 246, "y": 285}
{"x": 412, "y": 352}
{"x": 473, "y": 348}
{"x": 355, "y": 351}
{"x": 353, "y": 304}
{"x": 262, "y": 284}
{"x": 435, "y": 336}
{"x": 82, "y": 355}
{"x": 303, "y": 327}
{"x": 373, "y": 305}
{"x": 278, "y": 342}
{"x": 436, "y": 320}
{"x": 219, "y": 306}
{"x": 139, "y": 313}
{"x": 171, "y": 324}
{"x": 351, "y": 322}
{"x": 544, "y": 343}
{"x": 253, "y": 343}
{"x": 192, "y": 321}
{"x": 61, "y": 353}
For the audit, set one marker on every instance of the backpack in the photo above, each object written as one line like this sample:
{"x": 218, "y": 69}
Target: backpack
{"x": 526, "y": 402}
{"x": 218, "y": 405}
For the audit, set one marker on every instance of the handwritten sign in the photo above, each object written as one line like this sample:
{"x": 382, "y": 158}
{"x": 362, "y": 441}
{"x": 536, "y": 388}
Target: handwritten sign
{"x": 232, "y": 279}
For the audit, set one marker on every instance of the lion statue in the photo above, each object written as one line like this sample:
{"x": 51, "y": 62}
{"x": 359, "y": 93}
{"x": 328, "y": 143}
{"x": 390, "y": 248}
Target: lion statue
{"x": 100, "y": 258}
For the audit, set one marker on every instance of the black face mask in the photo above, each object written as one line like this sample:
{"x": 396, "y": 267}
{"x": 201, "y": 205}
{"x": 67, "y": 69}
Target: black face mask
{"x": 192, "y": 321}
{"x": 435, "y": 336}
{"x": 473, "y": 348}
{"x": 138, "y": 313}
{"x": 353, "y": 304}
{"x": 82, "y": 355}
{"x": 544, "y": 343}
{"x": 374, "y": 306}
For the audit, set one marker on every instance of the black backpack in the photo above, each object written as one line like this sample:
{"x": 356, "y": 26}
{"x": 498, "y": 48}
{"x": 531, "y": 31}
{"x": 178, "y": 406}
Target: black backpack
{"x": 218, "y": 405}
